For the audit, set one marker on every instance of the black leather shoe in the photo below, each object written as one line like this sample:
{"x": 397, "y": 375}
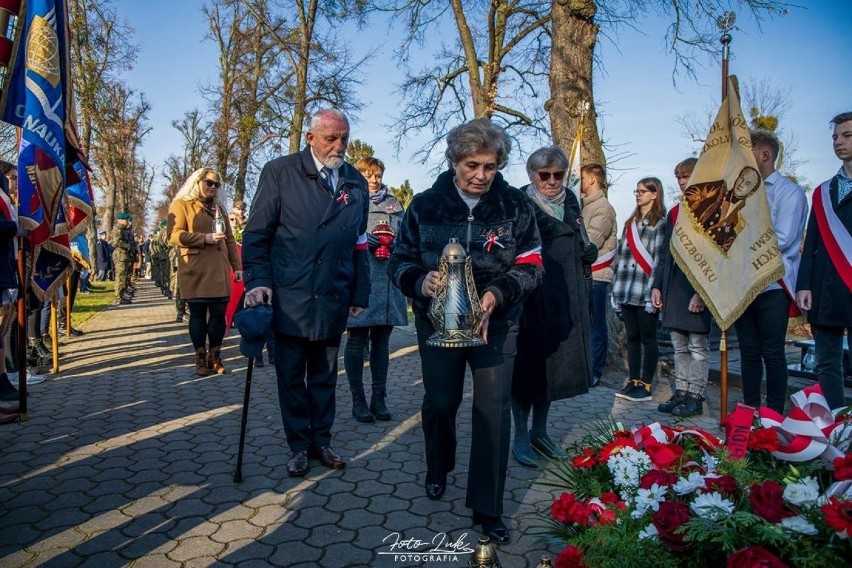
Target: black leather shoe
{"x": 434, "y": 489}
{"x": 298, "y": 465}
{"x": 492, "y": 527}
{"x": 328, "y": 457}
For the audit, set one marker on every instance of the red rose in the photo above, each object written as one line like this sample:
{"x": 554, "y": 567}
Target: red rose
{"x": 622, "y": 435}
{"x": 586, "y": 461}
{"x": 724, "y": 484}
{"x": 579, "y": 513}
{"x": 561, "y": 506}
{"x": 571, "y": 557}
{"x": 667, "y": 520}
{"x": 663, "y": 456}
{"x": 765, "y": 439}
{"x": 843, "y": 468}
{"x": 838, "y": 515}
{"x": 658, "y": 476}
{"x": 754, "y": 557}
{"x": 767, "y": 501}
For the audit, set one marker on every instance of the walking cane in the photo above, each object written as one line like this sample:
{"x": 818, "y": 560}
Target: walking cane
{"x": 238, "y": 475}
{"x": 254, "y": 324}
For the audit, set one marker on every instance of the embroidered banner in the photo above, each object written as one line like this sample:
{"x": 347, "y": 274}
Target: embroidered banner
{"x": 723, "y": 239}
{"x": 37, "y": 97}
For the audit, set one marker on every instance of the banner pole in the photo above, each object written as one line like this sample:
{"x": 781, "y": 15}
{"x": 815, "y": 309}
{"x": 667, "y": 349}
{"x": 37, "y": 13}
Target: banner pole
{"x": 54, "y": 334}
{"x": 21, "y": 330}
{"x": 725, "y": 23}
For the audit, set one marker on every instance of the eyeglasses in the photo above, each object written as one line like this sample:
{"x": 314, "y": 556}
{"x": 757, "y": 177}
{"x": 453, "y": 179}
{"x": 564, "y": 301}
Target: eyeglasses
{"x": 639, "y": 192}
{"x": 544, "y": 176}
{"x": 211, "y": 183}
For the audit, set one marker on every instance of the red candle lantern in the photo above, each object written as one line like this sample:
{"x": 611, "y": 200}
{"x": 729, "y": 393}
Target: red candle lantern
{"x": 385, "y": 235}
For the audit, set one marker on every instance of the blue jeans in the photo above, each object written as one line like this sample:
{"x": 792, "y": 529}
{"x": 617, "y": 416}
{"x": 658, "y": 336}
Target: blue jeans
{"x": 599, "y": 337}
{"x": 762, "y": 331}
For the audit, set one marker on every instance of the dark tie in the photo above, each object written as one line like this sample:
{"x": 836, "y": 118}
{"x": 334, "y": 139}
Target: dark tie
{"x": 326, "y": 172}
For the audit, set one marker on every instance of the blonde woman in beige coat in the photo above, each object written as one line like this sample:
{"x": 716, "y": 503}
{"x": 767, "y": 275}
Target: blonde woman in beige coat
{"x": 206, "y": 258}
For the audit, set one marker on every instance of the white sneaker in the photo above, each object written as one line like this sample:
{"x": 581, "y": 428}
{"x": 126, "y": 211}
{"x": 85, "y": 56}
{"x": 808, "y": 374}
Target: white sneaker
{"x": 33, "y": 379}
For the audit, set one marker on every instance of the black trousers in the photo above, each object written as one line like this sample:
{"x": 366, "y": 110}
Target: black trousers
{"x": 443, "y": 378}
{"x": 307, "y": 377}
{"x": 761, "y": 332}
{"x": 829, "y": 362}
{"x": 643, "y": 352}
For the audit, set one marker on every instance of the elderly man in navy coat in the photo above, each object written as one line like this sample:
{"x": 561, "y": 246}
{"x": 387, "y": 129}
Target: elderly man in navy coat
{"x": 305, "y": 253}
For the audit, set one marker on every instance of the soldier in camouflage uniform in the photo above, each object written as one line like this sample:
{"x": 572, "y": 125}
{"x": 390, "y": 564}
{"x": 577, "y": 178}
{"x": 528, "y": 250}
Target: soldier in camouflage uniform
{"x": 180, "y": 305}
{"x": 160, "y": 260}
{"x": 121, "y": 240}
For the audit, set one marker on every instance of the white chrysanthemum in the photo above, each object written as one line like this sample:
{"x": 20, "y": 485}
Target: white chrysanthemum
{"x": 628, "y": 466}
{"x": 711, "y": 506}
{"x": 648, "y": 500}
{"x": 799, "y": 525}
{"x": 649, "y": 532}
{"x": 803, "y": 493}
{"x": 689, "y": 484}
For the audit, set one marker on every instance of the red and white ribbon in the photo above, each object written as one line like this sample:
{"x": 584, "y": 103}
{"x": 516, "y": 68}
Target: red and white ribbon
{"x": 361, "y": 243}
{"x": 638, "y": 250}
{"x": 603, "y": 261}
{"x": 530, "y": 257}
{"x": 837, "y": 240}
{"x": 656, "y": 432}
{"x": 805, "y": 432}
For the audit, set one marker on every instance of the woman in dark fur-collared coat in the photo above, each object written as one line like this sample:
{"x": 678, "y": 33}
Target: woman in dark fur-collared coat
{"x": 554, "y": 357}
{"x": 495, "y": 224}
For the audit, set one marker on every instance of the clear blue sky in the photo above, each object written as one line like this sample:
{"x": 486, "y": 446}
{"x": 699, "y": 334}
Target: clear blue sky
{"x": 808, "y": 51}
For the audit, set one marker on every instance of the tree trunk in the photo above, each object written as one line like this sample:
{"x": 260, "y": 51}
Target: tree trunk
{"x": 572, "y": 53}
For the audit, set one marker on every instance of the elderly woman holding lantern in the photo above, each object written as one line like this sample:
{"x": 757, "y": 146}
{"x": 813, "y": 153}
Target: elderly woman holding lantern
{"x": 492, "y": 228}
{"x": 387, "y": 306}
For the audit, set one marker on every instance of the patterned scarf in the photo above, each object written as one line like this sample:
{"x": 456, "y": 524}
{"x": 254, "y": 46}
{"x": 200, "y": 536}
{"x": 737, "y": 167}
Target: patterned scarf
{"x": 379, "y": 195}
{"x": 553, "y": 206}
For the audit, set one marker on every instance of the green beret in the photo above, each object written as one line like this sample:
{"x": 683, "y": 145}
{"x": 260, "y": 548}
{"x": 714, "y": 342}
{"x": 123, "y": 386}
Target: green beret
{"x": 124, "y": 215}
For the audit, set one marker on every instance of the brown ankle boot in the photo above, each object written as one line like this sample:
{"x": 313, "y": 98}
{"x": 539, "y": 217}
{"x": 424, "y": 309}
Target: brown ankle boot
{"x": 201, "y": 362}
{"x": 216, "y": 360}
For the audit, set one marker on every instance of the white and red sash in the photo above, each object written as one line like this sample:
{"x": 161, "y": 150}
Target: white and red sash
{"x": 638, "y": 250}
{"x": 837, "y": 240}
{"x": 603, "y": 261}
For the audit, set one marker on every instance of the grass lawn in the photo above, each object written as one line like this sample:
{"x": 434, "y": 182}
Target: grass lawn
{"x": 87, "y": 305}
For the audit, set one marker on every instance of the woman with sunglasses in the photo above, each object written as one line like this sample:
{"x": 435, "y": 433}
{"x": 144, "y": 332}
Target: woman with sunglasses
{"x": 554, "y": 349}
{"x": 638, "y": 250}
{"x": 205, "y": 260}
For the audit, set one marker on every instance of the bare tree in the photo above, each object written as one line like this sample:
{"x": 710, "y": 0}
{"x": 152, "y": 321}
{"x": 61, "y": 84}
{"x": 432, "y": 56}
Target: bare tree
{"x": 273, "y": 70}
{"x": 494, "y": 65}
{"x": 120, "y": 172}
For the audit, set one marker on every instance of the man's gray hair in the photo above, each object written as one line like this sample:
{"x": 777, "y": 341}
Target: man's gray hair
{"x": 475, "y": 137}
{"x": 546, "y": 157}
{"x": 325, "y": 114}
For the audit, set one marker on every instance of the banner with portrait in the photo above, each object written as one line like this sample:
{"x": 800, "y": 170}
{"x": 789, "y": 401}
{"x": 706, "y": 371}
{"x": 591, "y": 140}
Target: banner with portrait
{"x": 723, "y": 239}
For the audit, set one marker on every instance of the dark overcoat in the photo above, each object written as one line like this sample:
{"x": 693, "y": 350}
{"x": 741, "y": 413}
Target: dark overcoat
{"x": 103, "y": 255}
{"x": 831, "y": 299}
{"x": 387, "y": 304}
{"x": 308, "y": 245}
{"x": 676, "y": 290}
{"x": 554, "y": 354}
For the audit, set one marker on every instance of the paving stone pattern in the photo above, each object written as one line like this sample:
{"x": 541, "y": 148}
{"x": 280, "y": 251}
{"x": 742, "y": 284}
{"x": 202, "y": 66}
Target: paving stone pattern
{"x": 127, "y": 458}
